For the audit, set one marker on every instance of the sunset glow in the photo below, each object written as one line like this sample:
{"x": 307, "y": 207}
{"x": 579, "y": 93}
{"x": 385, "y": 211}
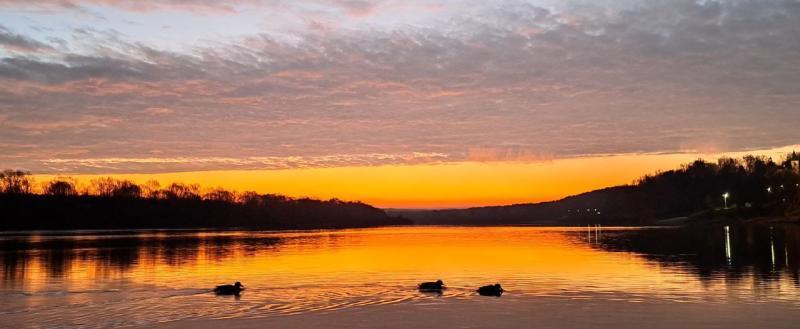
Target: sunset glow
{"x": 444, "y": 185}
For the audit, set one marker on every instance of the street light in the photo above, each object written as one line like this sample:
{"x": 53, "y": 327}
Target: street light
{"x": 725, "y": 199}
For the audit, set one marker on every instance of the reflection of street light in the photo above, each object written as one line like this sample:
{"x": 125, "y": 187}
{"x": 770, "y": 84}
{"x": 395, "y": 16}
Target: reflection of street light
{"x": 725, "y": 198}
{"x": 728, "y": 243}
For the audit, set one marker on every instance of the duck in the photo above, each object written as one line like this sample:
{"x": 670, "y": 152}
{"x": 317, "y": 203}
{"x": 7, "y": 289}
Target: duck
{"x": 229, "y": 289}
{"x": 431, "y": 286}
{"x": 491, "y": 290}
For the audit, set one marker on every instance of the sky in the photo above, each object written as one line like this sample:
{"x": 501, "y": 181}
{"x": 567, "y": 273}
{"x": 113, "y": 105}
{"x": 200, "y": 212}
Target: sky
{"x": 417, "y": 95}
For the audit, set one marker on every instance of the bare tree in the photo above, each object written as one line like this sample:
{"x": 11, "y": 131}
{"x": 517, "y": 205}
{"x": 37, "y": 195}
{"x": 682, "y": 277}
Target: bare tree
{"x": 126, "y": 189}
{"x": 151, "y": 189}
{"x": 250, "y": 198}
{"x": 182, "y": 191}
{"x": 220, "y": 194}
{"x": 110, "y": 187}
{"x": 61, "y": 187}
{"x": 103, "y": 186}
{"x": 15, "y": 182}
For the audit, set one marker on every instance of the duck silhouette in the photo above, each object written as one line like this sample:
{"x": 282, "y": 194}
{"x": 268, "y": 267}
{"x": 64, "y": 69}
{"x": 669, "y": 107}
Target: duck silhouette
{"x": 491, "y": 290}
{"x": 437, "y": 286}
{"x": 229, "y": 289}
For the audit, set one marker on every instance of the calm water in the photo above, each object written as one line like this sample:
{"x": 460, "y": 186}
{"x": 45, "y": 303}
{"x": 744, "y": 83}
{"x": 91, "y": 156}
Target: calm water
{"x": 555, "y": 277}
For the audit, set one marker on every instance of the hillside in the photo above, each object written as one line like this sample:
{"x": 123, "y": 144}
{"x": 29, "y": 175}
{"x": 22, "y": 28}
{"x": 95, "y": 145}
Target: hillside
{"x": 756, "y": 187}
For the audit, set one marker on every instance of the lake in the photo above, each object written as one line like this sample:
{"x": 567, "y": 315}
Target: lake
{"x": 710, "y": 277}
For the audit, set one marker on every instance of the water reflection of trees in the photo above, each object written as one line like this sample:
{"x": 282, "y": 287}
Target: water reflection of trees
{"x": 111, "y": 255}
{"x": 764, "y": 252}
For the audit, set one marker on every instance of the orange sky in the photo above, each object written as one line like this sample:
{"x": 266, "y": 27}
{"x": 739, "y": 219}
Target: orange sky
{"x": 450, "y": 185}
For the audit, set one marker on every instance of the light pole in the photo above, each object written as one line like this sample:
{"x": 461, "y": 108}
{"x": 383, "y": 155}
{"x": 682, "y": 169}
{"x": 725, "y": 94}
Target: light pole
{"x": 725, "y": 199}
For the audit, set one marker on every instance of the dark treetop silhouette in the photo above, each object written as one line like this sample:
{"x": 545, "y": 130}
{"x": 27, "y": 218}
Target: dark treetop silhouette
{"x": 755, "y": 186}
{"x": 121, "y": 204}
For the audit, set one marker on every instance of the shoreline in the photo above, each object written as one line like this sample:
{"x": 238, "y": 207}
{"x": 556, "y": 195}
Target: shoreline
{"x": 667, "y": 223}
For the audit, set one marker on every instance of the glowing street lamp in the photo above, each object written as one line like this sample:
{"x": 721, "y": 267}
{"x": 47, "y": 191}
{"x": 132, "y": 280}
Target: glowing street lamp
{"x": 725, "y": 199}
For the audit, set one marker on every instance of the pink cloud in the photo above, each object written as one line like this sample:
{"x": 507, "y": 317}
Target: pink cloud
{"x": 158, "y": 111}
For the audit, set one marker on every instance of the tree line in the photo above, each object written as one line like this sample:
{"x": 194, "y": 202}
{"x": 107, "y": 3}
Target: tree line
{"x": 109, "y": 203}
{"x": 730, "y": 188}
{"x": 22, "y": 182}
{"x": 746, "y": 187}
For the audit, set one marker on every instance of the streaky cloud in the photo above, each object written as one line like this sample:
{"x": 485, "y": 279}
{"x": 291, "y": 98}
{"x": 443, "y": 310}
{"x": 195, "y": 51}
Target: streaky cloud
{"x": 468, "y": 80}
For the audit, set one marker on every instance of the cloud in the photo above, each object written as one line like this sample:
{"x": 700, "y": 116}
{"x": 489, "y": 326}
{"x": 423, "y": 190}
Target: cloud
{"x": 158, "y": 111}
{"x": 505, "y": 153}
{"x": 38, "y": 127}
{"x": 354, "y": 8}
{"x": 19, "y": 43}
{"x": 128, "y": 5}
{"x": 472, "y": 80}
{"x": 155, "y": 164}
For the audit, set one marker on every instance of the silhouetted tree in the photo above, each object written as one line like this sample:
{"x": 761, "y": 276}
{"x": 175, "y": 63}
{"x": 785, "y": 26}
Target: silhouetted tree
{"x": 15, "y": 182}
{"x": 110, "y": 187}
{"x": 103, "y": 186}
{"x": 250, "y": 198}
{"x": 182, "y": 191}
{"x": 126, "y": 189}
{"x": 60, "y": 187}
{"x": 151, "y": 189}
{"x": 220, "y": 194}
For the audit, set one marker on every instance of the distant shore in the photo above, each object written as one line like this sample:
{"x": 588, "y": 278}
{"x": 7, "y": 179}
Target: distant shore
{"x": 25, "y": 212}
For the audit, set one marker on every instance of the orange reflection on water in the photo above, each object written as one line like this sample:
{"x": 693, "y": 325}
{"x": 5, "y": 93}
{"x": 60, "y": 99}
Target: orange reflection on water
{"x": 527, "y": 260}
{"x": 135, "y": 278}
